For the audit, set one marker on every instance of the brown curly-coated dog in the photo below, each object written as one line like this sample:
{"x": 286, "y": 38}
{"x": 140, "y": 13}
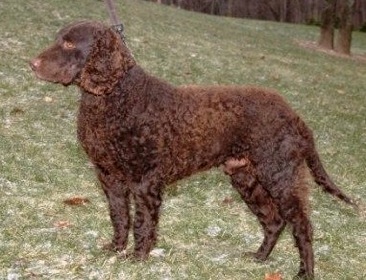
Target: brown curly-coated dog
{"x": 142, "y": 134}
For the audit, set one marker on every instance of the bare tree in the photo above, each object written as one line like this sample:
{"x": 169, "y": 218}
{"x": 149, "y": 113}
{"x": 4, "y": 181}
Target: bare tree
{"x": 340, "y": 12}
{"x": 296, "y": 11}
{"x": 327, "y": 24}
{"x": 360, "y": 14}
{"x": 230, "y": 8}
{"x": 344, "y": 38}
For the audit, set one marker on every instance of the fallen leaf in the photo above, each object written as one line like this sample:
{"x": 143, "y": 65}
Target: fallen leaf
{"x": 17, "y": 111}
{"x": 157, "y": 252}
{"x": 62, "y": 224}
{"x": 273, "y": 276}
{"x": 48, "y": 99}
{"x": 228, "y": 201}
{"x": 76, "y": 201}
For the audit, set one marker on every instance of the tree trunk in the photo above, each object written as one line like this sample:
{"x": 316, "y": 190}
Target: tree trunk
{"x": 344, "y": 38}
{"x": 230, "y": 8}
{"x": 213, "y": 3}
{"x": 327, "y": 25}
{"x": 283, "y": 10}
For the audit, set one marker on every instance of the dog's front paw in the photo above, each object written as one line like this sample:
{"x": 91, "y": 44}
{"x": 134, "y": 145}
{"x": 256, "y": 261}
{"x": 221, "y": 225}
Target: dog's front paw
{"x": 139, "y": 256}
{"x": 120, "y": 250}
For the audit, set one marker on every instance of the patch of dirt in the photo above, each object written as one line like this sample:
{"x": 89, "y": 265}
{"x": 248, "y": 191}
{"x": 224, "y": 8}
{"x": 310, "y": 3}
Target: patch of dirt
{"x": 314, "y": 46}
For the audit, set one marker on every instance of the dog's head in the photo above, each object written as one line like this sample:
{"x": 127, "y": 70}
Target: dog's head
{"x": 87, "y": 54}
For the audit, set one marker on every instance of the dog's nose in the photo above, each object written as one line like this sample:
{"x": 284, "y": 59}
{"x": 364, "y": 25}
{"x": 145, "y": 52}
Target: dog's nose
{"x": 35, "y": 63}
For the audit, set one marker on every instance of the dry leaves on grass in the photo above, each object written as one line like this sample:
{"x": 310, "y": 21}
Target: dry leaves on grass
{"x": 76, "y": 201}
{"x": 48, "y": 99}
{"x": 17, "y": 112}
{"x": 315, "y": 47}
{"x": 62, "y": 224}
{"x": 273, "y": 276}
{"x": 227, "y": 201}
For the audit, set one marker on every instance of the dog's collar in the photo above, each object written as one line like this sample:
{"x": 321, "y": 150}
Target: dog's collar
{"x": 119, "y": 29}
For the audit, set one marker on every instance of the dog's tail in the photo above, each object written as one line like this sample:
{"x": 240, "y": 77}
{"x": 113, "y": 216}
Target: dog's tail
{"x": 318, "y": 172}
{"x": 322, "y": 178}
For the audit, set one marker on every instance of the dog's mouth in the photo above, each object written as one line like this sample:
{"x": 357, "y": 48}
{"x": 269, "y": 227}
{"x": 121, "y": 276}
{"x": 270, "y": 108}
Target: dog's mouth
{"x": 49, "y": 77}
{"x": 39, "y": 76}
{"x": 52, "y": 80}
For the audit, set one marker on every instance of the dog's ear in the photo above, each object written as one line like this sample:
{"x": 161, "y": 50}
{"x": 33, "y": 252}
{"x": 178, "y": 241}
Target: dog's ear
{"x": 108, "y": 61}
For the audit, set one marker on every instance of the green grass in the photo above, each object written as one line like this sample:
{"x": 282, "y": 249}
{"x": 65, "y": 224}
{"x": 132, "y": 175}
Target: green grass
{"x": 41, "y": 163}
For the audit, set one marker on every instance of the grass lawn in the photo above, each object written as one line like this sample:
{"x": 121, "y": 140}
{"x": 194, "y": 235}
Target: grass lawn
{"x": 205, "y": 229}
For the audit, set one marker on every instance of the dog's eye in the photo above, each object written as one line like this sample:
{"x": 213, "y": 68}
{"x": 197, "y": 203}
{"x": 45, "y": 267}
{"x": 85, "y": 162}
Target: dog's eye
{"x": 68, "y": 45}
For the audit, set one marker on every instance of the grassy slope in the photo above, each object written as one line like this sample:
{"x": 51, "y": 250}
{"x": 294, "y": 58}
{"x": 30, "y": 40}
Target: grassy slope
{"x": 41, "y": 163}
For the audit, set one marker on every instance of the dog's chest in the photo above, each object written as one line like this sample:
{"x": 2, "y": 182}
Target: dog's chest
{"x": 93, "y": 136}
{"x": 113, "y": 141}
{"x": 96, "y": 127}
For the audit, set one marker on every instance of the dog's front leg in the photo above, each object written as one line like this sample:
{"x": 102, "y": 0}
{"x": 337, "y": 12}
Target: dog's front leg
{"x": 148, "y": 199}
{"x": 118, "y": 196}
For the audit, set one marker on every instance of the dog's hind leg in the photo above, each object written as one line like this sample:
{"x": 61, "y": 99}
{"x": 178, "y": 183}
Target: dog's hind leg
{"x": 291, "y": 194}
{"x": 259, "y": 201}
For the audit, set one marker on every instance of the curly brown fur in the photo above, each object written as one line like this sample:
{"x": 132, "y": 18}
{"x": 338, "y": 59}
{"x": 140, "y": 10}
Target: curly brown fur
{"x": 142, "y": 134}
